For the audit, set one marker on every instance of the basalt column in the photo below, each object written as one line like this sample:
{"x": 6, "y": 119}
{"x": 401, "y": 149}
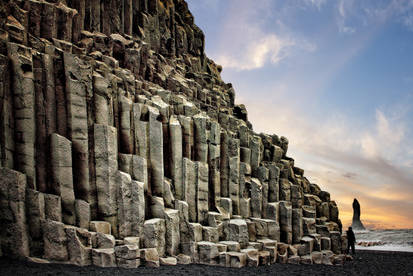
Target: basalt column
{"x": 24, "y": 110}
{"x": 106, "y": 162}
{"x": 77, "y": 123}
{"x": 6, "y": 116}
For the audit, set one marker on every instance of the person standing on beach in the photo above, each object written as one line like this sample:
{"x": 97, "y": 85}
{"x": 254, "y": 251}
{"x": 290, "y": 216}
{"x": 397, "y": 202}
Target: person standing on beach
{"x": 351, "y": 240}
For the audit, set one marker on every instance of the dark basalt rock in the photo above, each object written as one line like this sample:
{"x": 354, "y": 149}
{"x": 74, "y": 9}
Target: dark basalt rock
{"x": 131, "y": 150}
{"x": 357, "y": 224}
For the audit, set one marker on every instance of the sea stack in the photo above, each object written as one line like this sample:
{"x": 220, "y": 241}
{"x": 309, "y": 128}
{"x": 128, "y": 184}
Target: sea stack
{"x": 356, "y": 225}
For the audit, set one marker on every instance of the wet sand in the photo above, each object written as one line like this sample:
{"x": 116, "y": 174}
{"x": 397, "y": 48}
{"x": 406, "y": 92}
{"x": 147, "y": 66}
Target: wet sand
{"x": 365, "y": 263}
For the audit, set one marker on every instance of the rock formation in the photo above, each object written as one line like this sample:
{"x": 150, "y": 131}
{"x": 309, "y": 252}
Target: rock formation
{"x": 120, "y": 145}
{"x": 357, "y": 225}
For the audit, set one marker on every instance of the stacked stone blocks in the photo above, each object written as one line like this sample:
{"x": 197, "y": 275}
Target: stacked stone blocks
{"x": 122, "y": 146}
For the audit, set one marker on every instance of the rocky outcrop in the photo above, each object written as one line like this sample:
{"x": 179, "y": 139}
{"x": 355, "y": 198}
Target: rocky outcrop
{"x": 120, "y": 145}
{"x": 357, "y": 224}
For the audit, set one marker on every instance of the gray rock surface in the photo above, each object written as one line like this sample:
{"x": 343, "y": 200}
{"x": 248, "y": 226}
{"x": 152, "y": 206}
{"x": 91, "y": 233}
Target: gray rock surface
{"x": 121, "y": 145}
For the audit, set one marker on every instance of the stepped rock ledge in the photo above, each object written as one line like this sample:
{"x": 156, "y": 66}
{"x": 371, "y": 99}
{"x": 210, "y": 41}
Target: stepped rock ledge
{"x": 120, "y": 145}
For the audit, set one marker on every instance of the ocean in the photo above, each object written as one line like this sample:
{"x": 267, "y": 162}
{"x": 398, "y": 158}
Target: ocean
{"x": 387, "y": 240}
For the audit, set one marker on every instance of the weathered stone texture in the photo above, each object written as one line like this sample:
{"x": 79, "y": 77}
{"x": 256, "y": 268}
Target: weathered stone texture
{"x": 117, "y": 132}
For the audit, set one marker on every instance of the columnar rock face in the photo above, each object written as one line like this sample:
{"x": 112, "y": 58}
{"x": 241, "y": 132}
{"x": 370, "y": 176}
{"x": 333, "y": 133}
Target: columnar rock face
{"x": 116, "y": 129}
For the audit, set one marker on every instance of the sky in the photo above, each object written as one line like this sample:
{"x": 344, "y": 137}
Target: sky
{"x": 336, "y": 78}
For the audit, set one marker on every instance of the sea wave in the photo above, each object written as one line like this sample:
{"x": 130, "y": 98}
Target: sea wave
{"x": 386, "y": 240}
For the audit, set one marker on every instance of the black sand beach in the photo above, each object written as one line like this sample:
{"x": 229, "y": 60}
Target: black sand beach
{"x": 365, "y": 263}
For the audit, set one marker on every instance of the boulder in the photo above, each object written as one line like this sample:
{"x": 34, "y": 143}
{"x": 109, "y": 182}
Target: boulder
{"x": 127, "y": 252}
{"x": 149, "y": 257}
{"x": 154, "y": 235}
{"x": 208, "y": 253}
{"x": 168, "y": 261}
{"x": 252, "y": 256}
{"x": 79, "y": 246}
{"x": 237, "y": 259}
{"x": 104, "y": 257}
{"x": 183, "y": 259}
{"x": 294, "y": 260}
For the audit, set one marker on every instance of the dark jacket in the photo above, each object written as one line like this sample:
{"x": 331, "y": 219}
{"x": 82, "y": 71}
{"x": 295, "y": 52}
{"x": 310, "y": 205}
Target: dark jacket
{"x": 350, "y": 236}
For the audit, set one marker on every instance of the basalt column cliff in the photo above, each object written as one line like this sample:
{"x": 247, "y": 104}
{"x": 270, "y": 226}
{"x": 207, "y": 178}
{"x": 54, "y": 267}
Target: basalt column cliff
{"x": 120, "y": 145}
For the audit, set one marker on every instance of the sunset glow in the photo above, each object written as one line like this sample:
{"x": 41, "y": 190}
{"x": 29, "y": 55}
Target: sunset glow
{"x": 336, "y": 78}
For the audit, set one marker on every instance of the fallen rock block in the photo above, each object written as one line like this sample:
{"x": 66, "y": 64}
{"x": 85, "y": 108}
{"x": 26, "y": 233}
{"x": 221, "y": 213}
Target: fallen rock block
{"x": 37, "y": 260}
{"x": 282, "y": 253}
{"x": 317, "y": 257}
{"x": 104, "y": 257}
{"x": 125, "y": 263}
{"x": 252, "y": 256}
{"x": 79, "y": 246}
{"x": 127, "y": 252}
{"x": 208, "y": 253}
{"x": 273, "y": 253}
{"x": 328, "y": 257}
{"x": 183, "y": 259}
{"x": 168, "y": 261}
{"x": 149, "y": 257}
{"x": 264, "y": 257}
{"x": 224, "y": 260}
{"x": 307, "y": 259}
{"x": 237, "y": 259}
{"x": 339, "y": 259}
{"x": 294, "y": 260}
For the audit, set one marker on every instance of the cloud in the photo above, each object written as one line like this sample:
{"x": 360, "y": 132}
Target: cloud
{"x": 350, "y": 175}
{"x": 368, "y": 156}
{"x": 263, "y": 49}
{"x": 252, "y": 37}
{"x": 349, "y": 158}
{"x": 316, "y": 3}
{"x": 344, "y": 7}
{"x": 357, "y": 14}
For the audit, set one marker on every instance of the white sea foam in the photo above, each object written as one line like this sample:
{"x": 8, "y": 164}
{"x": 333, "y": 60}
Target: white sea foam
{"x": 387, "y": 247}
{"x": 386, "y": 240}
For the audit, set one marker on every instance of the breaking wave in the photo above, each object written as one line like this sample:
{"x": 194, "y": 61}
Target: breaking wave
{"x": 387, "y": 240}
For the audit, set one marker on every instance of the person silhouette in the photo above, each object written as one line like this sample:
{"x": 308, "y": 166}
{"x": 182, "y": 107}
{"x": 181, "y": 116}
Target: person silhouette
{"x": 351, "y": 240}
